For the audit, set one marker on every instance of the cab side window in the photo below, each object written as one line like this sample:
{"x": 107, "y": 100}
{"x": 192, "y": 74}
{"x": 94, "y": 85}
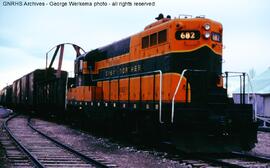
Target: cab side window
{"x": 154, "y": 39}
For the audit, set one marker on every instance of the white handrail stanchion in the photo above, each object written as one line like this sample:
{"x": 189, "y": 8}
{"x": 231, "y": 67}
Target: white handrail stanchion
{"x": 254, "y": 98}
{"x": 177, "y": 88}
{"x": 175, "y": 92}
{"x": 160, "y": 96}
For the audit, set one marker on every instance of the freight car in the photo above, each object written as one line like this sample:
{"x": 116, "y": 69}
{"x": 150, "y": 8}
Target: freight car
{"x": 164, "y": 83}
{"x": 6, "y": 96}
{"x": 39, "y": 90}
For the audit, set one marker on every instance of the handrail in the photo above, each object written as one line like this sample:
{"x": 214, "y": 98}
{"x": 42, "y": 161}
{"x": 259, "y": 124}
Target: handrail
{"x": 263, "y": 118}
{"x": 160, "y": 96}
{"x": 177, "y": 88}
{"x": 254, "y": 96}
{"x": 126, "y": 76}
{"x": 175, "y": 92}
{"x": 240, "y": 92}
{"x": 242, "y": 86}
{"x": 139, "y": 74}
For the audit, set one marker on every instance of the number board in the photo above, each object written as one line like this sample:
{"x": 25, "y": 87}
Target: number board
{"x": 216, "y": 37}
{"x": 187, "y": 35}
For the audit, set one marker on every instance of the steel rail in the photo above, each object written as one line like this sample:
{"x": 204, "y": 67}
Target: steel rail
{"x": 84, "y": 157}
{"x": 251, "y": 156}
{"x": 210, "y": 160}
{"x": 235, "y": 154}
{"x": 222, "y": 163}
{"x": 205, "y": 158}
{"x": 25, "y": 150}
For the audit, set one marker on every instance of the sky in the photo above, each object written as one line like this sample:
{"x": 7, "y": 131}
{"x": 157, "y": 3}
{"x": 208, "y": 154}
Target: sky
{"x": 27, "y": 33}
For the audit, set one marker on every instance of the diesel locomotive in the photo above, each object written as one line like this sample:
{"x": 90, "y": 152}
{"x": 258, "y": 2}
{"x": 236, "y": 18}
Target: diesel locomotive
{"x": 163, "y": 83}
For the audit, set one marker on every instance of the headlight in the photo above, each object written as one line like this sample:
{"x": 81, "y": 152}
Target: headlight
{"x": 207, "y": 35}
{"x": 207, "y": 26}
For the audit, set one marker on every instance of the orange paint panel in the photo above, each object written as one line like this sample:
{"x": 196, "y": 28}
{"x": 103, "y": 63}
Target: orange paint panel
{"x": 105, "y": 90}
{"x": 182, "y": 92}
{"x": 157, "y": 87}
{"x": 99, "y": 93}
{"x": 134, "y": 89}
{"x": 89, "y": 93}
{"x": 76, "y": 92}
{"x": 166, "y": 82}
{"x": 85, "y": 93}
{"x": 79, "y": 93}
{"x": 114, "y": 90}
{"x": 165, "y": 87}
{"x": 135, "y": 47}
{"x": 123, "y": 89}
{"x": 169, "y": 83}
{"x": 147, "y": 88}
{"x": 99, "y": 84}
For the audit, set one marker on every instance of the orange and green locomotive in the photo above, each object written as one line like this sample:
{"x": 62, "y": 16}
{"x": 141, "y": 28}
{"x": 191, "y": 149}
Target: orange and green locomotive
{"x": 165, "y": 81}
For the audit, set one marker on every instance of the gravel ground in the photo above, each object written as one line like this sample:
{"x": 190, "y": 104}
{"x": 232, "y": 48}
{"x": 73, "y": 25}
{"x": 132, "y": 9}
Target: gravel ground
{"x": 3, "y": 161}
{"x": 262, "y": 148}
{"x": 122, "y": 156}
{"x": 3, "y": 158}
{"x": 126, "y": 156}
{"x": 4, "y": 113}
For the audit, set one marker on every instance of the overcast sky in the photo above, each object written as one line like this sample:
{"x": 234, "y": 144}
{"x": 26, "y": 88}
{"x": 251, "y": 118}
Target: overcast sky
{"x": 27, "y": 33}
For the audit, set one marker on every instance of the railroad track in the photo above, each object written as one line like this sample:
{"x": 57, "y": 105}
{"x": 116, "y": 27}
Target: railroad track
{"x": 47, "y": 152}
{"x": 246, "y": 160}
{"x": 230, "y": 160}
{"x": 16, "y": 157}
{"x": 42, "y": 151}
{"x": 263, "y": 129}
{"x": 234, "y": 160}
{"x": 237, "y": 160}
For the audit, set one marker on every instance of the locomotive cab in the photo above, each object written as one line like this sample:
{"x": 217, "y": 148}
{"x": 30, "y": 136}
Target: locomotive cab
{"x": 200, "y": 43}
